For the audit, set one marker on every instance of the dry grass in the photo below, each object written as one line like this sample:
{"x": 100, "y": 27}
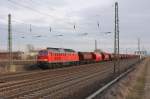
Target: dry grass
{"x": 137, "y": 91}
{"x": 130, "y": 87}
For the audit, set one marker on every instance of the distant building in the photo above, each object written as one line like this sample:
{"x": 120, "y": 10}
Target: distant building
{"x": 4, "y": 55}
{"x": 98, "y": 50}
{"x": 32, "y": 54}
{"x": 141, "y": 53}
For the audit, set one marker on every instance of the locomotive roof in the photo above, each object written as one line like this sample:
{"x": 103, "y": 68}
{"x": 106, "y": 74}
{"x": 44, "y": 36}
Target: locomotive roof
{"x": 61, "y": 50}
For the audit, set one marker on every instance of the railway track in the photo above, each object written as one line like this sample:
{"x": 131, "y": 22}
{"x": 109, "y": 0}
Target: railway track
{"x": 61, "y": 86}
{"x": 18, "y": 62}
{"x": 74, "y": 85}
{"x": 28, "y": 75}
{"x": 55, "y": 84}
{"x": 54, "y": 79}
{"x": 19, "y": 75}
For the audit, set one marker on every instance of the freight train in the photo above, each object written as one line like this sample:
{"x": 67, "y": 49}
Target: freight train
{"x": 59, "y": 57}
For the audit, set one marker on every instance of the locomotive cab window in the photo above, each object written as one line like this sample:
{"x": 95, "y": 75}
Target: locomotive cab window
{"x": 43, "y": 53}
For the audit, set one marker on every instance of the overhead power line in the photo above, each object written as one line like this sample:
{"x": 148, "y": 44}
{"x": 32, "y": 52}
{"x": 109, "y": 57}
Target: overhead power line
{"x": 30, "y": 8}
{"x": 38, "y": 11}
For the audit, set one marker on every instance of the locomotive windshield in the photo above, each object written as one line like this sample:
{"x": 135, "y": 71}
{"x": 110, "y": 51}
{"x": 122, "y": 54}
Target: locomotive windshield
{"x": 43, "y": 52}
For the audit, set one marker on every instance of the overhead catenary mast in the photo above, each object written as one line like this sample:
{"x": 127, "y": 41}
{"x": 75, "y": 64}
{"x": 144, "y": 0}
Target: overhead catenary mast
{"x": 139, "y": 41}
{"x": 139, "y": 52}
{"x": 116, "y": 39}
{"x": 9, "y": 40}
{"x": 95, "y": 45}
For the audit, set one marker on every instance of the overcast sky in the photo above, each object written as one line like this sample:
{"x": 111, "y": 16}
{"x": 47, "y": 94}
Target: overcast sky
{"x": 63, "y": 15}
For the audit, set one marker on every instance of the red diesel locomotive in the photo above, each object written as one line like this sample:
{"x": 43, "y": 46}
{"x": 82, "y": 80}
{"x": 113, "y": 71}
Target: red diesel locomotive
{"x": 53, "y": 57}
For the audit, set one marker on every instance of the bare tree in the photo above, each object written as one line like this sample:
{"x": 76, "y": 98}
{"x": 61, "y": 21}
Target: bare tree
{"x": 30, "y": 48}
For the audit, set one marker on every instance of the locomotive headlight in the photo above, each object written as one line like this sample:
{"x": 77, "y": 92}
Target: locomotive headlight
{"x": 45, "y": 59}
